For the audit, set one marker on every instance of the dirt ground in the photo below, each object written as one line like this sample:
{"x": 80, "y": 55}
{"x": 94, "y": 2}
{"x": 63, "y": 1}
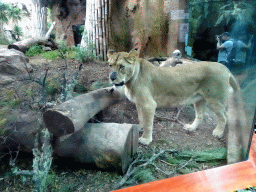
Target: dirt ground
{"x": 167, "y": 134}
{"x": 125, "y": 112}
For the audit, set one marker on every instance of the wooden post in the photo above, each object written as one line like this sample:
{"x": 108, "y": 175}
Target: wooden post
{"x": 100, "y": 28}
{"x": 96, "y": 28}
{"x": 70, "y": 116}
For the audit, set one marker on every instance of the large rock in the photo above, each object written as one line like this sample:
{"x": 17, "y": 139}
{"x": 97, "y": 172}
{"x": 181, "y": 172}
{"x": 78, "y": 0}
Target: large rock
{"x": 6, "y": 79}
{"x": 12, "y": 64}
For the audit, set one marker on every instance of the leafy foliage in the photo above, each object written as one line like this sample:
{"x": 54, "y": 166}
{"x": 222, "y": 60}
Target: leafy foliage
{"x": 84, "y": 54}
{"x": 235, "y": 10}
{"x": 63, "y": 49}
{"x": 17, "y": 31}
{"x": 34, "y": 50}
{"x": 213, "y": 155}
{"x": 53, "y": 86}
{"x": 51, "y": 55}
{"x": 144, "y": 176}
{"x": 4, "y": 8}
{"x": 15, "y": 13}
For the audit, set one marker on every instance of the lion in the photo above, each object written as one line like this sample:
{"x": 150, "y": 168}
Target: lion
{"x": 201, "y": 83}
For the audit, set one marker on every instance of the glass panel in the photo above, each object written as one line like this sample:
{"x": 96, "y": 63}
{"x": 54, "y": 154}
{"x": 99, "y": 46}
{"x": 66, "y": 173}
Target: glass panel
{"x": 214, "y": 27}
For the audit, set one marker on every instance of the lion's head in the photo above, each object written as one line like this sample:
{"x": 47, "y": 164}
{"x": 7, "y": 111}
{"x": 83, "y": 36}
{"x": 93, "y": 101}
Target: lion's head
{"x": 123, "y": 66}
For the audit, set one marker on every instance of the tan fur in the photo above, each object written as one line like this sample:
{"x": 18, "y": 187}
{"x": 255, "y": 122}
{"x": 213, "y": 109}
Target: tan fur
{"x": 149, "y": 87}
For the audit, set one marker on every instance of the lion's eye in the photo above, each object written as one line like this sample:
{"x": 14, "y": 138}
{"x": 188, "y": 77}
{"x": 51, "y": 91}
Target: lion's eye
{"x": 121, "y": 67}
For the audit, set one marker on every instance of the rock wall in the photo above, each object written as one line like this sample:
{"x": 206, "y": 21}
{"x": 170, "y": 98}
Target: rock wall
{"x": 68, "y": 14}
{"x": 146, "y": 25}
{"x": 139, "y": 24}
{"x": 13, "y": 65}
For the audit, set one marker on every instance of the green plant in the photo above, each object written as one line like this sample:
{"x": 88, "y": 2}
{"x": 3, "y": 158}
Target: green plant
{"x": 79, "y": 88}
{"x": 196, "y": 159}
{"x": 51, "y": 55}
{"x": 53, "y": 86}
{"x": 235, "y": 10}
{"x": 41, "y": 163}
{"x": 34, "y": 50}
{"x": 17, "y": 31}
{"x": 213, "y": 155}
{"x": 84, "y": 54}
{"x": 63, "y": 49}
{"x": 144, "y": 176}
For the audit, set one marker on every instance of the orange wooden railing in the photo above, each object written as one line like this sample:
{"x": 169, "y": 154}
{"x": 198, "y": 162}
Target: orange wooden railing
{"x": 226, "y": 178}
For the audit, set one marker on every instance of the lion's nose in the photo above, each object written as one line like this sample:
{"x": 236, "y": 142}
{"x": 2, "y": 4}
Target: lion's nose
{"x": 112, "y": 76}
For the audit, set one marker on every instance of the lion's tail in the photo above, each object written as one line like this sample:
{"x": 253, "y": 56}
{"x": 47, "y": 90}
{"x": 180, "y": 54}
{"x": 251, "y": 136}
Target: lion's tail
{"x": 233, "y": 83}
{"x": 237, "y": 124}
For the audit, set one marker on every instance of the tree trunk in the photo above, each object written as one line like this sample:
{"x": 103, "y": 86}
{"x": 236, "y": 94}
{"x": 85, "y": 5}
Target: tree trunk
{"x": 96, "y": 29}
{"x": 88, "y": 26}
{"x": 71, "y": 116}
{"x": 39, "y": 18}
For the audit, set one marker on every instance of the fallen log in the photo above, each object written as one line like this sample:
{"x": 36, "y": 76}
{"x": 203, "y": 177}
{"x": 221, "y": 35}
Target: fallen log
{"x": 26, "y": 43}
{"x": 71, "y": 116}
{"x": 108, "y": 145}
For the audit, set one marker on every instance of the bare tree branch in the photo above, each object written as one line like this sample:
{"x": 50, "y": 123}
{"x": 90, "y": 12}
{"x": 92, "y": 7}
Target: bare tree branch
{"x": 132, "y": 170}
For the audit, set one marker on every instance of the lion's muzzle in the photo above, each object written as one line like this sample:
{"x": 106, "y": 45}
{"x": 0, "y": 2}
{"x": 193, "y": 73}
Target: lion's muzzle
{"x": 113, "y": 76}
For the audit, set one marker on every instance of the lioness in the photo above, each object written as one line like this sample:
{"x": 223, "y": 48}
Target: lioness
{"x": 150, "y": 86}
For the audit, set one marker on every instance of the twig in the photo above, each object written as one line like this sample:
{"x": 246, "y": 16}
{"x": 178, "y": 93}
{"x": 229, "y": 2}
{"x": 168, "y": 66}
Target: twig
{"x": 42, "y": 83}
{"x": 131, "y": 171}
{"x": 167, "y": 163}
{"x": 178, "y": 114}
{"x": 169, "y": 119}
{"x": 160, "y": 170}
{"x": 185, "y": 164}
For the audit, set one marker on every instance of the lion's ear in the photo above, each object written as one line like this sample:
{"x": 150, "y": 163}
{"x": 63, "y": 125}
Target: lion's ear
{"x": 133, "y": 55}
{"x": 110, "y": 53}
{"x": 130, "y": 59}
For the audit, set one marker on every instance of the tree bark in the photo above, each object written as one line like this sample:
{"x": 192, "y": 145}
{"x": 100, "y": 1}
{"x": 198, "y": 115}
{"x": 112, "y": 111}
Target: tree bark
{"x": 108, "y": 145}
{"x": 39, "y": 18}
{"x": 71, "y": 116}
{"x": 88, "y": 26}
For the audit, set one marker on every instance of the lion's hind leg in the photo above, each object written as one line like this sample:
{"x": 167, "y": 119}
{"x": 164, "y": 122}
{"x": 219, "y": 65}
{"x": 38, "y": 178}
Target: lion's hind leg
{"x": 199, "y": 115}
{"x": 220, "y": 110}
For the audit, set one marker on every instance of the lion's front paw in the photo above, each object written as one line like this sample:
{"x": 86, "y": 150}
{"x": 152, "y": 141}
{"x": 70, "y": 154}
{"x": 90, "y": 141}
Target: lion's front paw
{"x": 145, "y": 141}
{"x": 189, "y": 127}
{"x": 217, "y": 133}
